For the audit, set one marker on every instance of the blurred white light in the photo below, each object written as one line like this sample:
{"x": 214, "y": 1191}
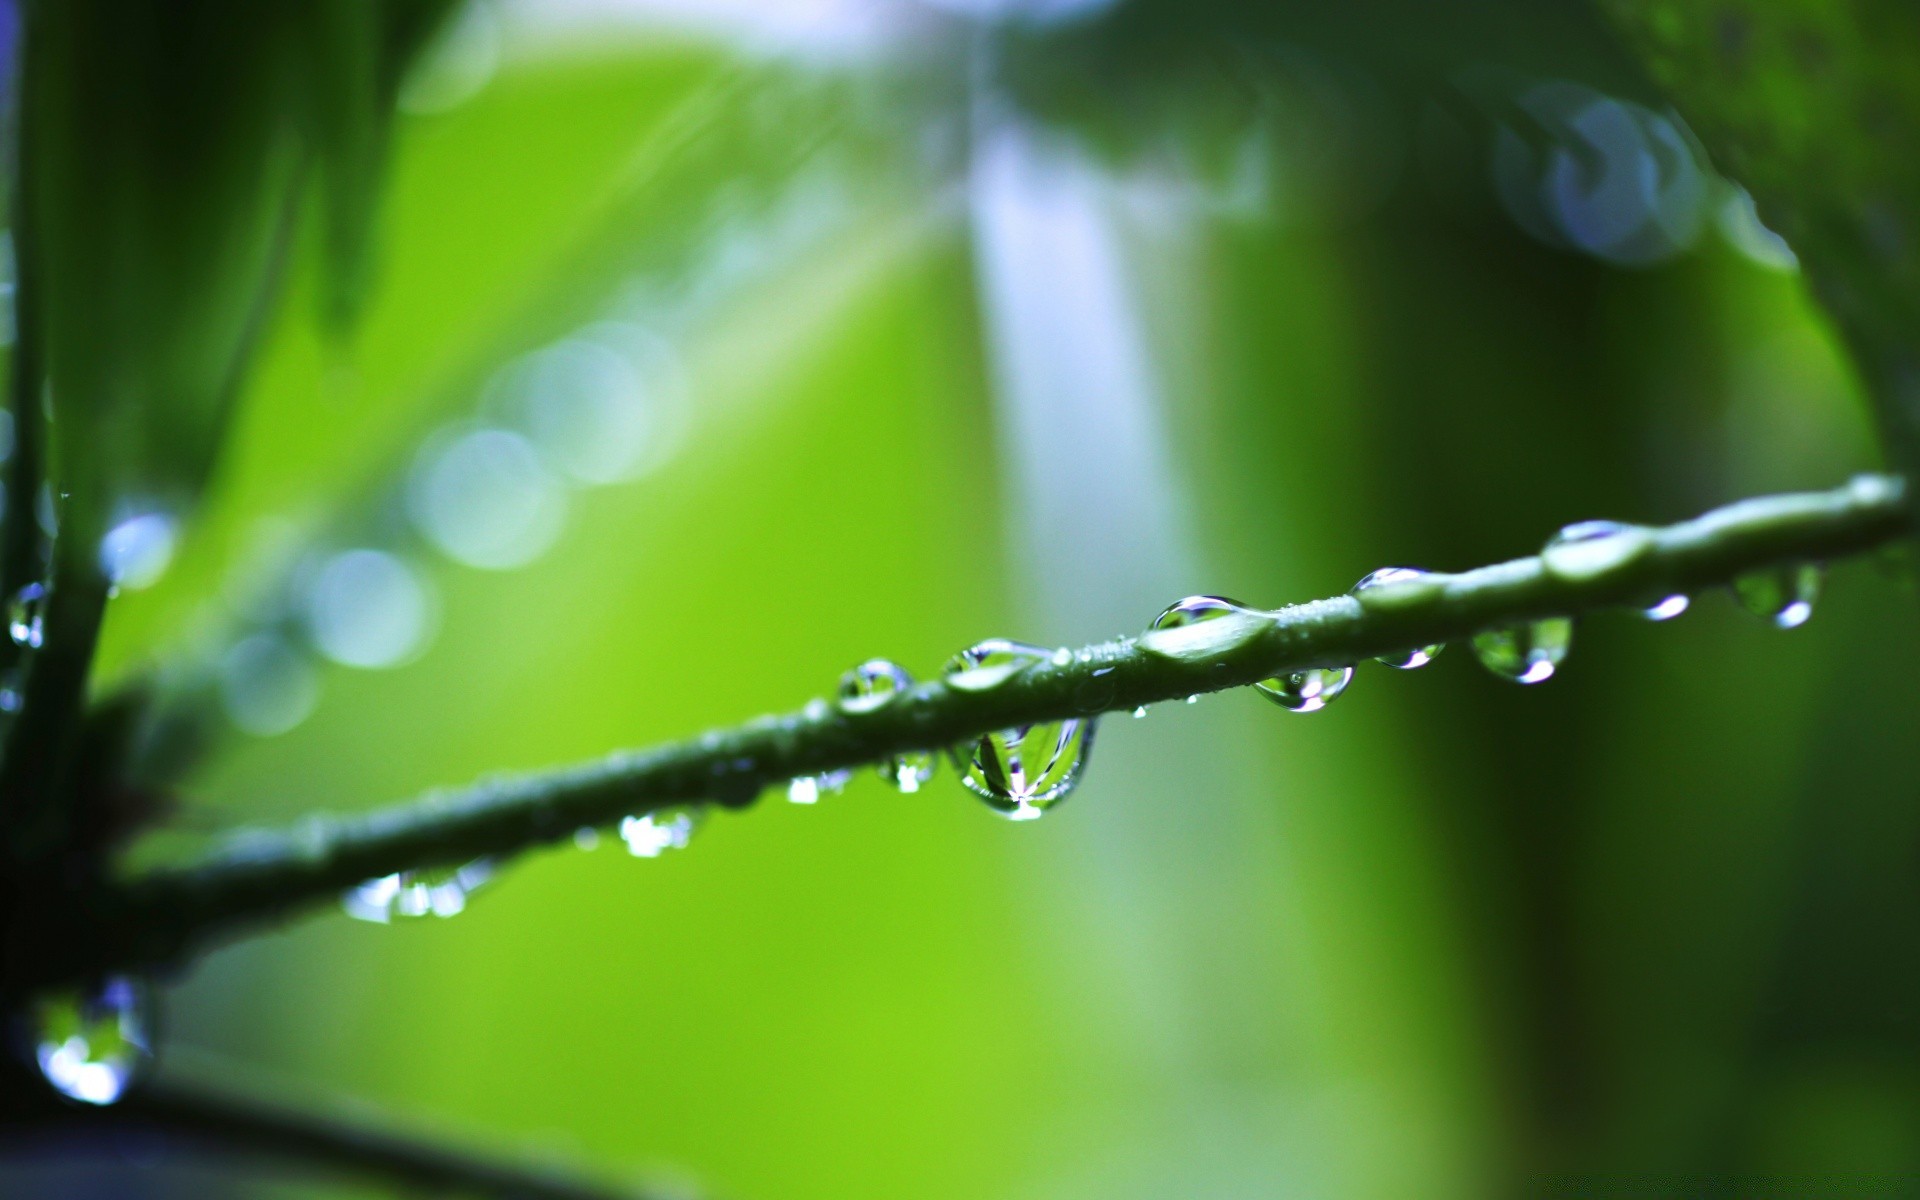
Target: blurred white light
{"x": 367, "y": 608}
{"x": 459, "y": 64}
{"x": 267, "y": 686}
{"x": 136, "y": 552}
{"x": 587, "y": 409}
{"x": 484, "y": 499}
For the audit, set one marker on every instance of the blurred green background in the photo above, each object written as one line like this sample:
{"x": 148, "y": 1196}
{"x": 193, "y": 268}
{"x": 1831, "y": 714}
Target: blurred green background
{"x": 936, "y": 328}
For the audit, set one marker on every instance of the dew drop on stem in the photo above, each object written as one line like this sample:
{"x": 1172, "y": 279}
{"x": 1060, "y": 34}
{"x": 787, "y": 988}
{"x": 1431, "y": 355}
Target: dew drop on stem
{"x": 870, "y": 686}
{"x": 93, "y": 1046}
{"x": 649, "y": 835}
{"x": 1407, "y": 660}
{"x": 1528, "y": 653}
{"x": 1023, "y": 771}
{"x": 1783, "y": 595}
{"x": 27, "y": 615}
{"x": 423, "y": 892}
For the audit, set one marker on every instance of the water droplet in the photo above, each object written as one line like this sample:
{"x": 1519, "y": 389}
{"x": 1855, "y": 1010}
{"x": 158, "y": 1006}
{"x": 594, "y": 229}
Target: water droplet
{"x": 1410, "y": 659}
{"x": 27, "y": 615}
{"x": 1667, "y": 608}
{"x": 1300, "y": 691}
{"x": 1200, "y": 627}
{"x": 135, "y": 553}
{"x": 1306, "y": 691}
{"x": 1025, "y": 770}
{"x": 1590, "y": 549}
{"x": 1525, "y": 653}
{"x": 1194, "y": 699}
{"x": 428, "y": 891}
{"x": 92, "y": 1047}
{"x": 808, "y": 789}
{"x": 1140, "y": 712}
{"x": 1783, "y": 595}
{"x": 368, "y": 608}
{"x": 649, "y": 835}
{"x": 869, "y": 686}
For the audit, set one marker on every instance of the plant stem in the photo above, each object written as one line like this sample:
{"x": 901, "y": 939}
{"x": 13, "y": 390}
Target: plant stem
{"x": 246, "y": 1125}
{"x": 160, "y": 917}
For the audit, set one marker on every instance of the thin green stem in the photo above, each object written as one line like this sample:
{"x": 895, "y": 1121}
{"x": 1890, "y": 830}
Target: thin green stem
{"x": 160, "y": 917}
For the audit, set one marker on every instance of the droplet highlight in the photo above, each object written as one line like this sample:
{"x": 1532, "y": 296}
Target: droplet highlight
{"x": 27, "y": 616}
{"x": 1783, "y": 595}
{"x": 1023, "y": 771}
{"x": 1306, "y": 691}
{"x": 870, "y": 686}
{"x": 1527, "y": 653}
{"x": 650, "y": 835}
{"x": 1407, "y": 660}
{"x": 93, "y": 1046}
{"x": 425, "y": 892}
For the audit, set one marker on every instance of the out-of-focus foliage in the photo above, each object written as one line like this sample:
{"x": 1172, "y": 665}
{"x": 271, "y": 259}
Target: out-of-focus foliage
{"x": 165, "y": 149}
{"x": 946, "y": 332}
{"x": 1816, "y": 107}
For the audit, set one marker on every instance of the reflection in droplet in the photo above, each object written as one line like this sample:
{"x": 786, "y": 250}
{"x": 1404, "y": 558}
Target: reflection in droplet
{"x": 136, "y": 552}
{"x": 1306, "y": 691}
{"x": 871, "y": 685}
{"x": 431, "y": 891}
{"x": 267, "y": 685}
{"x": 1023, "y": 771}
{"x": 1410, "y": 659}
{"x": 484, "y": 499}
{"x": 1783, "y": 595}
{"x": 92, "y": 1047}
{"x": 368, "y": 608}
{"x": 27, "y": 615}
{"x": 1525, "y": 653}
{"x": 650, "y": 835}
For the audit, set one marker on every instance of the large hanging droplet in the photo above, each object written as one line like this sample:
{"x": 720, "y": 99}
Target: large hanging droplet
{"x": 1306, "y": 691}
{"x": 1026, "y": 770}
{"x": 1525, "y": 653}
{"x": 1407, "y": 660}
{"x": 426, "y": 892}
{"x": 871, "y": 685}
{"x": 650, "y": 835}
{"x": 27, "y": 615}
{"x": 93, "y": 1046}
{"x": 1783, "y": 595}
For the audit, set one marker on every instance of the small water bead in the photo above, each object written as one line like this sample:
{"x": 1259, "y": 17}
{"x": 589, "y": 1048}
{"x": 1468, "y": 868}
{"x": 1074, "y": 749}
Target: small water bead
{"x": 650, "y": 835}
{"x": 1590, "y": 549}
{"x": 93, "y": 1046}
{"x": 428, "y": 891}
{"x": 1306, "y": 691}
{"x": 1025, "y": 770}
{"x": 807, "y": 789}
{"x": 1411, "y": 659}
{"x": 1526, "y": 653}
{"x": 1783, "y": 595}
{"x": 1140, "y": 712}
{"x": 27, "y": 615}
{"x": 136, "y": 552}
{"x": 869, "y": 686}
{"x": 1300, "y": 691}
{"x": 1668, "y": 608}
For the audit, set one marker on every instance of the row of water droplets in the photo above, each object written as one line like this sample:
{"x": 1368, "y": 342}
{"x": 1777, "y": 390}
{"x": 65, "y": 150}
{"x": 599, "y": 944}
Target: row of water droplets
{"x": 1024, "y": 770}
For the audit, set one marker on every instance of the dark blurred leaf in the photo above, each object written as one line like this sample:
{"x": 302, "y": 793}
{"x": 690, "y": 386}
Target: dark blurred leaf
{"x": 164, "y": 149}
